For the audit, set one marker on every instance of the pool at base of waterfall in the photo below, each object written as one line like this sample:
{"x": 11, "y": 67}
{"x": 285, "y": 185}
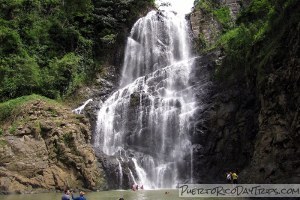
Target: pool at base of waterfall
{"x": 111, "y": 195}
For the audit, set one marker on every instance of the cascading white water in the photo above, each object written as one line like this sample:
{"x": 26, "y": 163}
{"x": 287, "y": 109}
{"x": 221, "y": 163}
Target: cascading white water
{"x": 120, "y": 173}
{"x": 141, "y": 173}
{"x": 148, "y": 117}
{"x": 132, "y": 177}
{"x": 156, "y": 41}
{"x": 81, "y": 108}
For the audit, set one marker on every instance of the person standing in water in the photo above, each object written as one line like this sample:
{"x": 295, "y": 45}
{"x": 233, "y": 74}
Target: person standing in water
{"x": 66, "y": 195}
{"x": 81, "y": 197}
{"x": 229, "y": 177}
{"x": 133, "y": 187}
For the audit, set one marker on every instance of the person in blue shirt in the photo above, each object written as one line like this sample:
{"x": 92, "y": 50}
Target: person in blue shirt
{"x": 81, "y": 197}
{"x": 66, "y": 195}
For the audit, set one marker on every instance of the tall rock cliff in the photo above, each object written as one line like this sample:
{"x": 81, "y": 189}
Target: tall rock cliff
{"x": 276, "y": 153}
{"x": 251, "y": 123}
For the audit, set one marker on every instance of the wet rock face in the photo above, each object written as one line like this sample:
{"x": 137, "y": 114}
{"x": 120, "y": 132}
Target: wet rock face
{"x": 47, "y": 148}
{"x": 252, "y": 129}
{"x": 225, "y": 124}
{"x": 117, "y": 178}
{"x": 277, "y": 152}
{"x": 225, "y": 134}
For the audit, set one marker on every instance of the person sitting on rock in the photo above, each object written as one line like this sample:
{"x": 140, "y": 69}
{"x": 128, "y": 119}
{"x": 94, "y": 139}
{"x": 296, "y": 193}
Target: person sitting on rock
{"x": 66, "y": 195}
{"x": 81, "y": 197}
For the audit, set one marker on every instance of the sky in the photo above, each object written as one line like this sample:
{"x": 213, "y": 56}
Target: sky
{"x": 179, "y": 6}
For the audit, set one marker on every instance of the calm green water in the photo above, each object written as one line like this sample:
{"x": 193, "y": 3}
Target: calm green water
{"x": 110, "y": 195}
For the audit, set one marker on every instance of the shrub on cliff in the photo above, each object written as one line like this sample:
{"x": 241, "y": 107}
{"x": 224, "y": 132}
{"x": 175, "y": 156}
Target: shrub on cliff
{"x": 257, "y": 39}
{"x": 10, "y": 108}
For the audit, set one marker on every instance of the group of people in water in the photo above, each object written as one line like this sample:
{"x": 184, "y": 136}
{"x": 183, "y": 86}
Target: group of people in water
{"x": 232, "y": 177}
{"x": 136, "y": 187}
{"x": 69, "y": 194}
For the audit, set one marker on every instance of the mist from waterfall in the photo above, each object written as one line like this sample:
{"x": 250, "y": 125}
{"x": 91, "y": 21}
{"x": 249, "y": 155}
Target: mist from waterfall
{"x": 146, "y": 122}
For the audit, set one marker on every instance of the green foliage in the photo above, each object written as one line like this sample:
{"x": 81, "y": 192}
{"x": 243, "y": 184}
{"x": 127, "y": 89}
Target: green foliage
{"x": 1, "y": 132}
{"x": 252, "y": 43}
{"x": 13, "y": 106}
{"x": 42, "y": 47}
{"x": 38, "y": 127}
{"x": 201, "y": 42}
{"x": 60, "y": 73}
{"x": 257, "y": 10}
{"x": 13, "y": 129}
{"x": 111, "y": 16}
{"x": 217, "y": 11}
{"x": 10, "y": 41}
{"x": 222, "y": 21}
{"x": 20, "y": 75}
{"x": 68, "y": 138}
{"x": 49, "y": 47}
{"x": 236, "y": 43}
{"x": 205, "y": 5}
{"x": 3, "y": 143}
{"x": 52, "y": 111}
{"x": 224, "y": 17}
{"x": 78, "y": 8}
{"x": 109, "y": 39}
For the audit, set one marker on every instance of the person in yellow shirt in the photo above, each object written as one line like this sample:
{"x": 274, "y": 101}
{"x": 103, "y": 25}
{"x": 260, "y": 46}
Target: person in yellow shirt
{"x": 235, "y": 178}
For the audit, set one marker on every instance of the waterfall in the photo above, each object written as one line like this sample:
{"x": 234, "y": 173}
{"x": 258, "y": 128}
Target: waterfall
{"x": 80, "y": 109}
{"x": 120, "y": 174}
{"x": 149, "y": 116}
{"x": 141, "y": 173}
{"x": 132, "y": 177}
